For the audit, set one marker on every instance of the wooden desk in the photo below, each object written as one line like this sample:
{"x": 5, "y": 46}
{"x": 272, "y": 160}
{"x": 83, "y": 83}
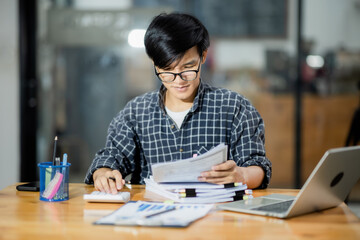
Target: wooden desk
{"x": 24, "y": 216}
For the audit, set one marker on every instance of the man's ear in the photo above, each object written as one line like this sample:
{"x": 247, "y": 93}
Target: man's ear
{"x": 204, "y": 56}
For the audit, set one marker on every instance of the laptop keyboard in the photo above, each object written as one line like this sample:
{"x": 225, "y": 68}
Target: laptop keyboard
{"x": 276, "y": 207}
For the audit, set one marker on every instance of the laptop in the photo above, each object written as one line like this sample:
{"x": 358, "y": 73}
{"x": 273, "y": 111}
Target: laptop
{"x": 327, "y": 186}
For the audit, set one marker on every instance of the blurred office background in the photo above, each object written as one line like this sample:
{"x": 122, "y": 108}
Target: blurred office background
{"x": 68, "y": 66}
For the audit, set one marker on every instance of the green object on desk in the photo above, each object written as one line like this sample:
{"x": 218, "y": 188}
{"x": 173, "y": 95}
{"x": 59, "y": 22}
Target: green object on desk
{"x": 48, "y": 172}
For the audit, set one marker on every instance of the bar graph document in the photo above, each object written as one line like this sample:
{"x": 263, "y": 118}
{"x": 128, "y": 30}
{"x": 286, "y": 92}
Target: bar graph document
{"x": 153, "y": 214}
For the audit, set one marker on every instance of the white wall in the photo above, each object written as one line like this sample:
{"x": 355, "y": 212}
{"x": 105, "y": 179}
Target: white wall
{"x": 9, "y": 94}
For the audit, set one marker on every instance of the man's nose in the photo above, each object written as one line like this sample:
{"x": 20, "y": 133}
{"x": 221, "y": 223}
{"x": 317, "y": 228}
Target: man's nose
{"x": 178, "y": 78}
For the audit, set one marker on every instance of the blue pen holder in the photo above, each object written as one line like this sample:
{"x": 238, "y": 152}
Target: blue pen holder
{"x": 54, "y": 182}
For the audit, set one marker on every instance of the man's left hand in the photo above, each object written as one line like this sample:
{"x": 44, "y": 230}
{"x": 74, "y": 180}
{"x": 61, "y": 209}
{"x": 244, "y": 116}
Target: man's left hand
{"x": 227, "y": 172}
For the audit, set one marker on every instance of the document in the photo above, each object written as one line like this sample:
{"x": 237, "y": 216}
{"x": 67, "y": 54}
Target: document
{"x": 154, "y": 214}
{"x": 188, "y": 170}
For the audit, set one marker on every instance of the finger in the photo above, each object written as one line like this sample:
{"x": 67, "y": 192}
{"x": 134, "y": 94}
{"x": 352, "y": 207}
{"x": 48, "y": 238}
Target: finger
{"x": 215, "y": 174}
{"x": 215, "y": 180}
{"x": 98, "y": 186}
{"x": 105, "y": 184}
{"x": 112, "y": 186}
{"x": 110, "y": 182}
{"x": 202, "y": 179}
{"x": 119, "y": 181}
{"x": 228, "y": 165}
{"x": 217, "y": 177}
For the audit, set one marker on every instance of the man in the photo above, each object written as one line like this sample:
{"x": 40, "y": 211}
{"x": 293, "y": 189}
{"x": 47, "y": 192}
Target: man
{"x": 183, "y": 118}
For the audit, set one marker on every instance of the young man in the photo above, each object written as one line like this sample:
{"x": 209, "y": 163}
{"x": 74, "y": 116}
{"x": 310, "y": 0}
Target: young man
{"x": 184, "y": 117}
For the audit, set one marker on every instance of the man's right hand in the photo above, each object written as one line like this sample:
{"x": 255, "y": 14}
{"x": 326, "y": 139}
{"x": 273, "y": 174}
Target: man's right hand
{"x": 104, "y": 180}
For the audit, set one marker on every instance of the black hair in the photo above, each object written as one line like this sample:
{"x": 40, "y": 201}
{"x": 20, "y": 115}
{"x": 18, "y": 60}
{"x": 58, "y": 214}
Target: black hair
{"x": 169, "y": 36}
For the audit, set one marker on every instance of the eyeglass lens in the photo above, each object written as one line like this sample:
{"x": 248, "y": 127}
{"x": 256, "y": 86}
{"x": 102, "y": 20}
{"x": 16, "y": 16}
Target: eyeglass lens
{"x": 187, "y": 76}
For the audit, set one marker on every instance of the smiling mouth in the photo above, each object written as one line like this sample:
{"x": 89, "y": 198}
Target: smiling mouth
{"x": 181, "y": 87}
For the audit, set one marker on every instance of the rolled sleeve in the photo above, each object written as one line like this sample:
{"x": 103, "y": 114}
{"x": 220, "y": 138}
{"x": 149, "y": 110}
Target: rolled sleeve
{"x": 248, "y": 141}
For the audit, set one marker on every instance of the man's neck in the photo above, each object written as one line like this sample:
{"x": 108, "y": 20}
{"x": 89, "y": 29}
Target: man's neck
{"x": 178, "y": 105}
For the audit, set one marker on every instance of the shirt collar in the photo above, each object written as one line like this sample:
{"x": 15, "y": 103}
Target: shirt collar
{"x": 197, "y": 100}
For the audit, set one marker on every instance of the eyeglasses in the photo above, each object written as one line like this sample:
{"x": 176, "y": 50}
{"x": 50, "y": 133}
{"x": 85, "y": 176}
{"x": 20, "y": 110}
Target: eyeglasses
{"x": 189, "y": 75}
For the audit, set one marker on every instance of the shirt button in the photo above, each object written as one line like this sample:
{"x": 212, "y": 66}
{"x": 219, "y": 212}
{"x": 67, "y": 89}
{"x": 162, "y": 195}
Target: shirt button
{"x": 181, "y": 150}
{"x": 172, "y": 126}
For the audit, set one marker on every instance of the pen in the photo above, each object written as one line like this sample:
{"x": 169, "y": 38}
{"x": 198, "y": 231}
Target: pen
{"x": 64, "y": 163}
{"x": 112, "y": 178}
{"x": 161, "y": 212}
{"x": 64, "y": 159}
{"x": 54, "y": 152}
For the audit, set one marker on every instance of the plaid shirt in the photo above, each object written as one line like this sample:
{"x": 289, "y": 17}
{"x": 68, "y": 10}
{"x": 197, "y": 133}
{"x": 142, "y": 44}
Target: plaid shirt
{"x": 143, "y": 134}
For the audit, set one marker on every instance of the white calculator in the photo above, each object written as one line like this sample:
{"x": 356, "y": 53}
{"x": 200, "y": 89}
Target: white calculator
{"x": 97, "y": 196}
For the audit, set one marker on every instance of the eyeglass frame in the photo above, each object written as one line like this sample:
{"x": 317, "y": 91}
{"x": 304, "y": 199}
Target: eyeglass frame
{"x": 179, "y": 74}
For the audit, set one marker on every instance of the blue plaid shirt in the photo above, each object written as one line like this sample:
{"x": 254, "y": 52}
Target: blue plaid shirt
{"x": 143, "y": 134}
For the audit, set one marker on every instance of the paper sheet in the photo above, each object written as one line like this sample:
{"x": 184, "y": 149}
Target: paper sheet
{"x": 188, "y": 170}
{"x": 133, "y": 214}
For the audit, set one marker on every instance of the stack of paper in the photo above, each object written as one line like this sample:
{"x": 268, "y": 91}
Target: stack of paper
{"x": 178, "y": 181}
{"x": 199, "y": 192}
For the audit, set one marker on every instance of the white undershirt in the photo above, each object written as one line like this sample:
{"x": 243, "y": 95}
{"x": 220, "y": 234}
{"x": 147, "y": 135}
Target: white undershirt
{"x": 178, "y": 117}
